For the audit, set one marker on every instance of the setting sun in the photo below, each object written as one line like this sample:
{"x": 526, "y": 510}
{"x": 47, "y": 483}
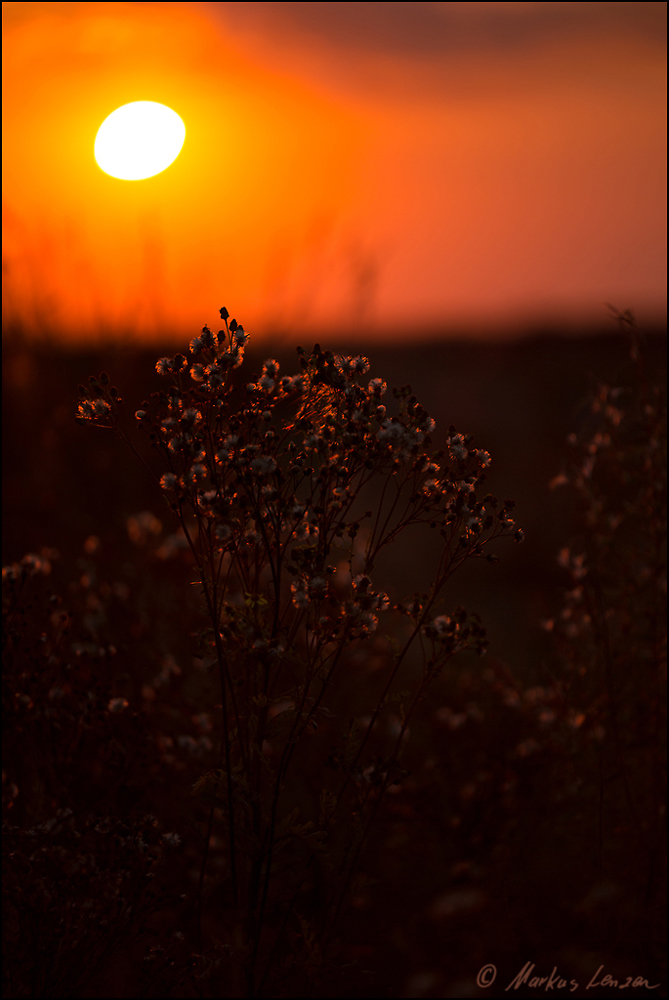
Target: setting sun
{"x": 139, "y": 140}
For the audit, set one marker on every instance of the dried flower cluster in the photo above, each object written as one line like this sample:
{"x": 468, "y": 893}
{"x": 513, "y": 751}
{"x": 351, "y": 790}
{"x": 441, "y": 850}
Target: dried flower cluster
{"x": 287, "y": 493}
{"x": 273, "y": 482}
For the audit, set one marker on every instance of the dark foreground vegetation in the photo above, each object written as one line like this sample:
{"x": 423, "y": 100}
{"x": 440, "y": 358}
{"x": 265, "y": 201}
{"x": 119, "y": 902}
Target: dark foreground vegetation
{"x": 238, "y": 764}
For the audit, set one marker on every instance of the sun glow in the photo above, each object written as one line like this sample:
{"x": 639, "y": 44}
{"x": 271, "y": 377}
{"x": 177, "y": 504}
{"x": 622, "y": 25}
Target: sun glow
{"x": 139, "y": 140}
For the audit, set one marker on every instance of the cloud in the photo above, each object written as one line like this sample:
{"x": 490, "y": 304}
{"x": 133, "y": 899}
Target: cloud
{"x": 390, "y": 53}
{"x": 433, "y": 29}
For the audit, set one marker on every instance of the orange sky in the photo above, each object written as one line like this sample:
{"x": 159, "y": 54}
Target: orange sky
{"x": 346, "y": 165}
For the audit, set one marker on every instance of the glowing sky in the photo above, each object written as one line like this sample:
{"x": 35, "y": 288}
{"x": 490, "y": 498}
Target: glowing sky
{"x": 346, "y": 165}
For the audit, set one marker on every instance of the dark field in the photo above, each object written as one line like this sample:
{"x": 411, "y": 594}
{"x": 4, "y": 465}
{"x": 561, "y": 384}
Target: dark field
{"x": 528, "y": 824}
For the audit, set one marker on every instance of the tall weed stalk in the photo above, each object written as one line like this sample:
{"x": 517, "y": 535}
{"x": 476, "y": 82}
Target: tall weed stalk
{"x": 291, "y": 492}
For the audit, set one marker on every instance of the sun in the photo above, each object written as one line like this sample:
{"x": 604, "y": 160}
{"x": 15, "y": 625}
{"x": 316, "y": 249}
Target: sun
{"x": 139, "y": 140}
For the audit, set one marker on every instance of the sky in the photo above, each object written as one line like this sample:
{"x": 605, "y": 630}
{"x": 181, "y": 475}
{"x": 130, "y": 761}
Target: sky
{"x": 424, "y": 168}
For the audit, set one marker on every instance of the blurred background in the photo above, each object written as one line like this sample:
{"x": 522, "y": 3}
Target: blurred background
{"x": 360, "y": 168}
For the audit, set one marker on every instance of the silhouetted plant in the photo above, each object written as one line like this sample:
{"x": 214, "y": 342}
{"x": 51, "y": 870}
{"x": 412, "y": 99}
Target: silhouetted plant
{"x": 289, "y": 492}
{"x": 610, "y": 635}
{"x": 76, "y": 875}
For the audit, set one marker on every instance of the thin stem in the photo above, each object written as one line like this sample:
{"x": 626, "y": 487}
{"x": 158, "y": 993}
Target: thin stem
{"x": 203, "y": 866}
{"x": 226, "y": 734}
